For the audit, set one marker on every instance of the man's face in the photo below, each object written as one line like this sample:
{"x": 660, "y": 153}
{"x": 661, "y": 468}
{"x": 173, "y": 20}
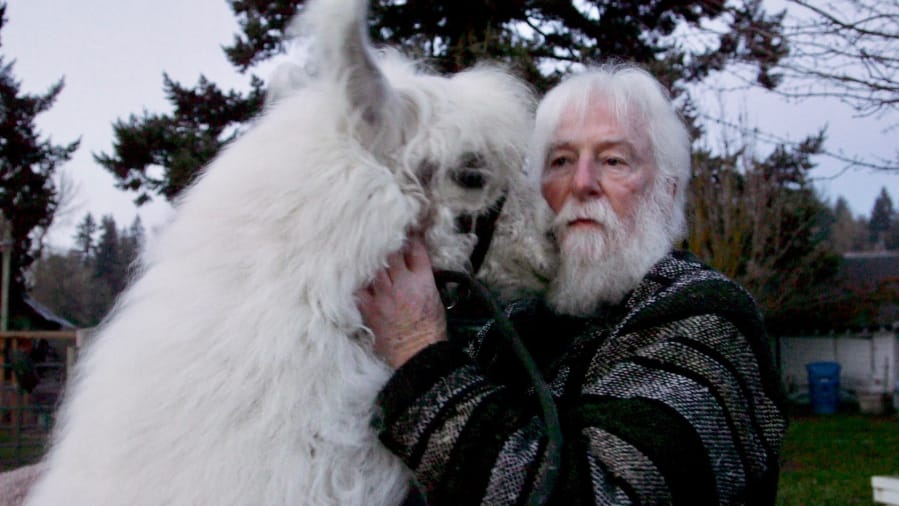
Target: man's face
{"x": 596, "y": 160}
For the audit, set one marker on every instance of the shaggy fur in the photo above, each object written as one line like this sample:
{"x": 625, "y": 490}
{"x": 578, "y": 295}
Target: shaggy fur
{"x": 236, "y": 368}
{"x": 14, "y": 485}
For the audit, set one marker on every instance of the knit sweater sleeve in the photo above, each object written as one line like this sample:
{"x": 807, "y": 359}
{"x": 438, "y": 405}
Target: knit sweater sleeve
{"x": 670, "y": 411}
{"x": 449, "y": 424}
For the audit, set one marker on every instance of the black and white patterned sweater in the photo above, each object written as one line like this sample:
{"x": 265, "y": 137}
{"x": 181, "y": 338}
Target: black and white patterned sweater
{"x": 669, "y": 398}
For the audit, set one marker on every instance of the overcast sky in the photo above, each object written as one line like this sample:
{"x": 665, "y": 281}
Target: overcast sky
{"x": 112, "y": 55}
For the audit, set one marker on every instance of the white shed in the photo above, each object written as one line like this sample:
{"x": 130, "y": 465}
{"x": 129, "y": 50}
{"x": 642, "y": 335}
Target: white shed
{"x": 853, "y": 321}
{"x": 869, "y": 362}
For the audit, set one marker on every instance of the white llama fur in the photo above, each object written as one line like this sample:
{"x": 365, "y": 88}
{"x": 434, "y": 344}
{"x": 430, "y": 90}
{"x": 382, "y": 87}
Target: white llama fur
{"x": 235, "y": 370}
{"x": 15, "y": 484}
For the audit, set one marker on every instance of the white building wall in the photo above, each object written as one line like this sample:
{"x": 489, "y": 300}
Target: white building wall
{"x": 866, "y": 361}
{"x": 886, "y": 366}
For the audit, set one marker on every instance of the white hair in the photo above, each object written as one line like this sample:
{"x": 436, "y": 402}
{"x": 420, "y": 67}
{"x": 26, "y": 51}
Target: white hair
{"x": 636, "y": 99}
{"x": 236, "y": 368}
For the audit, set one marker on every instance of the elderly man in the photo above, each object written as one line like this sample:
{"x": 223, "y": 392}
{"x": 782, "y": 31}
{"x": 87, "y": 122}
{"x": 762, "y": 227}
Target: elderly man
{"x": 658, "y": 365}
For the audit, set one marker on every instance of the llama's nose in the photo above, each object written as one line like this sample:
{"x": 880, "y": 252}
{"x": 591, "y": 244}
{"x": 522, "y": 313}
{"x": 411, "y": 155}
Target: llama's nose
{"x": 470, "y": 179}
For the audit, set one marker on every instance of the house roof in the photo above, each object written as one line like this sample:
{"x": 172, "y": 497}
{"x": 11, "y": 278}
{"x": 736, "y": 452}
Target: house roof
{"x": 863, "y": 295}
{"x": 867, "y": 268}
{"x": 46, "y": 317}
{"x": 26, "y": 313}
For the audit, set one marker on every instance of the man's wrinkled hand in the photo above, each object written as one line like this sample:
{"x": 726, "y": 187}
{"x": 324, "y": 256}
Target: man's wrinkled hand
{"x": 402, "y": 306}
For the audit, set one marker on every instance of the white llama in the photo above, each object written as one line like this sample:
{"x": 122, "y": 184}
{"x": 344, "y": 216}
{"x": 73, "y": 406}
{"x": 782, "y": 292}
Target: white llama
{"x": 236, "y": 370}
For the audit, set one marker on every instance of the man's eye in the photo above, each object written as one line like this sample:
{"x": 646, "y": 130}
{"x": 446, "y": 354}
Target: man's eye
{"x": 559, "y": 161}
{"x": 614, "y": 161}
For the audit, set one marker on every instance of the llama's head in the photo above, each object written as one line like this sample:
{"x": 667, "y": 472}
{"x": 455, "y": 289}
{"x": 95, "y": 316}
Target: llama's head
{"x": 457, "y": 143}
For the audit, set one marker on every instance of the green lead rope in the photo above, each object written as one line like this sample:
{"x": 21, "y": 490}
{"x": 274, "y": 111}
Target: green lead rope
{"x": 549, "y": 473}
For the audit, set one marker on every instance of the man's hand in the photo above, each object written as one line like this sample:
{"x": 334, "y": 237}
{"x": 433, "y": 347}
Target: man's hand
{"x": 402, "y": 306}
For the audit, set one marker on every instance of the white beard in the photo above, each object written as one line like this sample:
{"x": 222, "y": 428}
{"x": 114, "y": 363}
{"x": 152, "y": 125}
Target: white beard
{"x": 601, "y": 266}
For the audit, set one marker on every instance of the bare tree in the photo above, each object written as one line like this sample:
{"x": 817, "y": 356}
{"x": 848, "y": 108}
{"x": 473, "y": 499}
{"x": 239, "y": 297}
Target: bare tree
{"x": 67, "y": 204}
{"x": 760, "y": 222}
{"x": 844, "y": 49}
{"x": 847, "y": 50}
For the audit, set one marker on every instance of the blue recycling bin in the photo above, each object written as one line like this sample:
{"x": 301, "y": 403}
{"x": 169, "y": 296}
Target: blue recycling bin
{"x": 824, "y": 387}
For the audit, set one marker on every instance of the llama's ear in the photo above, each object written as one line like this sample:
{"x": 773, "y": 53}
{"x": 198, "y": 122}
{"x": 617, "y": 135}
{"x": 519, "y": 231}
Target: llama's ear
{"x": 342, "y": 50}
{"x": 368, "y": 90}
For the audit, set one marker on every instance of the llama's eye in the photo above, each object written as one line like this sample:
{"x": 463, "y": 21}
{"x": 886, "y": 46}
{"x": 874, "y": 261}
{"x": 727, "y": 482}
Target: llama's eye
{"x": 470, "y": 171}
{"x": 472, "y": 161}
{"x": 470, "y": 179}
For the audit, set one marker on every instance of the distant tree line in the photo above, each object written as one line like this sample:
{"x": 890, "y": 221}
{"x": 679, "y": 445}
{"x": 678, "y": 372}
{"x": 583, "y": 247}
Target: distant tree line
{"x": 81, "y": 285}
{"x": 882, "y": 227}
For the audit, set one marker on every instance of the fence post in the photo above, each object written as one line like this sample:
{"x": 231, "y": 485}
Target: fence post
{"x": 22, "y": 429}
{"x": 6, "y": 245}
{"x": 70, "y": 361}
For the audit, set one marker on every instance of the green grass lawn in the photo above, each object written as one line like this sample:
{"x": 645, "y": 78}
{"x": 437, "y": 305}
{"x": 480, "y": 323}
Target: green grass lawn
{"x": 829, "y": 459}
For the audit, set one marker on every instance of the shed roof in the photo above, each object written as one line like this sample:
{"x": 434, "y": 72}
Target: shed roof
{"x": 50, "y": 319}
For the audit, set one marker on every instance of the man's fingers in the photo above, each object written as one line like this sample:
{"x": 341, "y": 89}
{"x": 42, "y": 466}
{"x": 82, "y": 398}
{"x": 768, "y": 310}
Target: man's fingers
{"x": 395, "y": 262}
{"x": 364, "y": 296}
{"x": 382, "y": 280}
{"x": 412, "y": 258}
{"x": 417, "y": 255}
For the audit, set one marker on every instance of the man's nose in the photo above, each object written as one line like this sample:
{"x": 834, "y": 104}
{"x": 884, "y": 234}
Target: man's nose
{"x": 585, "y": 181}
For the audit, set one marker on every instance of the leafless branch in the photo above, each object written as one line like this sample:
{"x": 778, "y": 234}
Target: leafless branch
{"x": 846, "y": 49}
{"x": 769, "y": 138}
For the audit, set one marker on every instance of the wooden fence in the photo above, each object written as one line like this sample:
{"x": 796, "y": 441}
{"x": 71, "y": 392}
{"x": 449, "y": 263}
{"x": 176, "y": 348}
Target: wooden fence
{"x": 35, "y": 366}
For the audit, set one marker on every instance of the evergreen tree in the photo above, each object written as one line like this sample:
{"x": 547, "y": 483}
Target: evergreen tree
{"x": 204, "y": 119}
{"x": 847, "y": 233}
{"x": 882, "y": 215}
{"x": 28, "y": 195}
{"x": 892, "y": 234}
{"x": 130, "y": 244}
{"x": 541, "y": 39}
{"x": 84, "y": 236}
{"x": 109, "y": 265}
{"x": 136, "y": 232}
{"x": 82, "y": 287}
{"x": 66, "y": 285}
{"x": 108, "y": 260}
